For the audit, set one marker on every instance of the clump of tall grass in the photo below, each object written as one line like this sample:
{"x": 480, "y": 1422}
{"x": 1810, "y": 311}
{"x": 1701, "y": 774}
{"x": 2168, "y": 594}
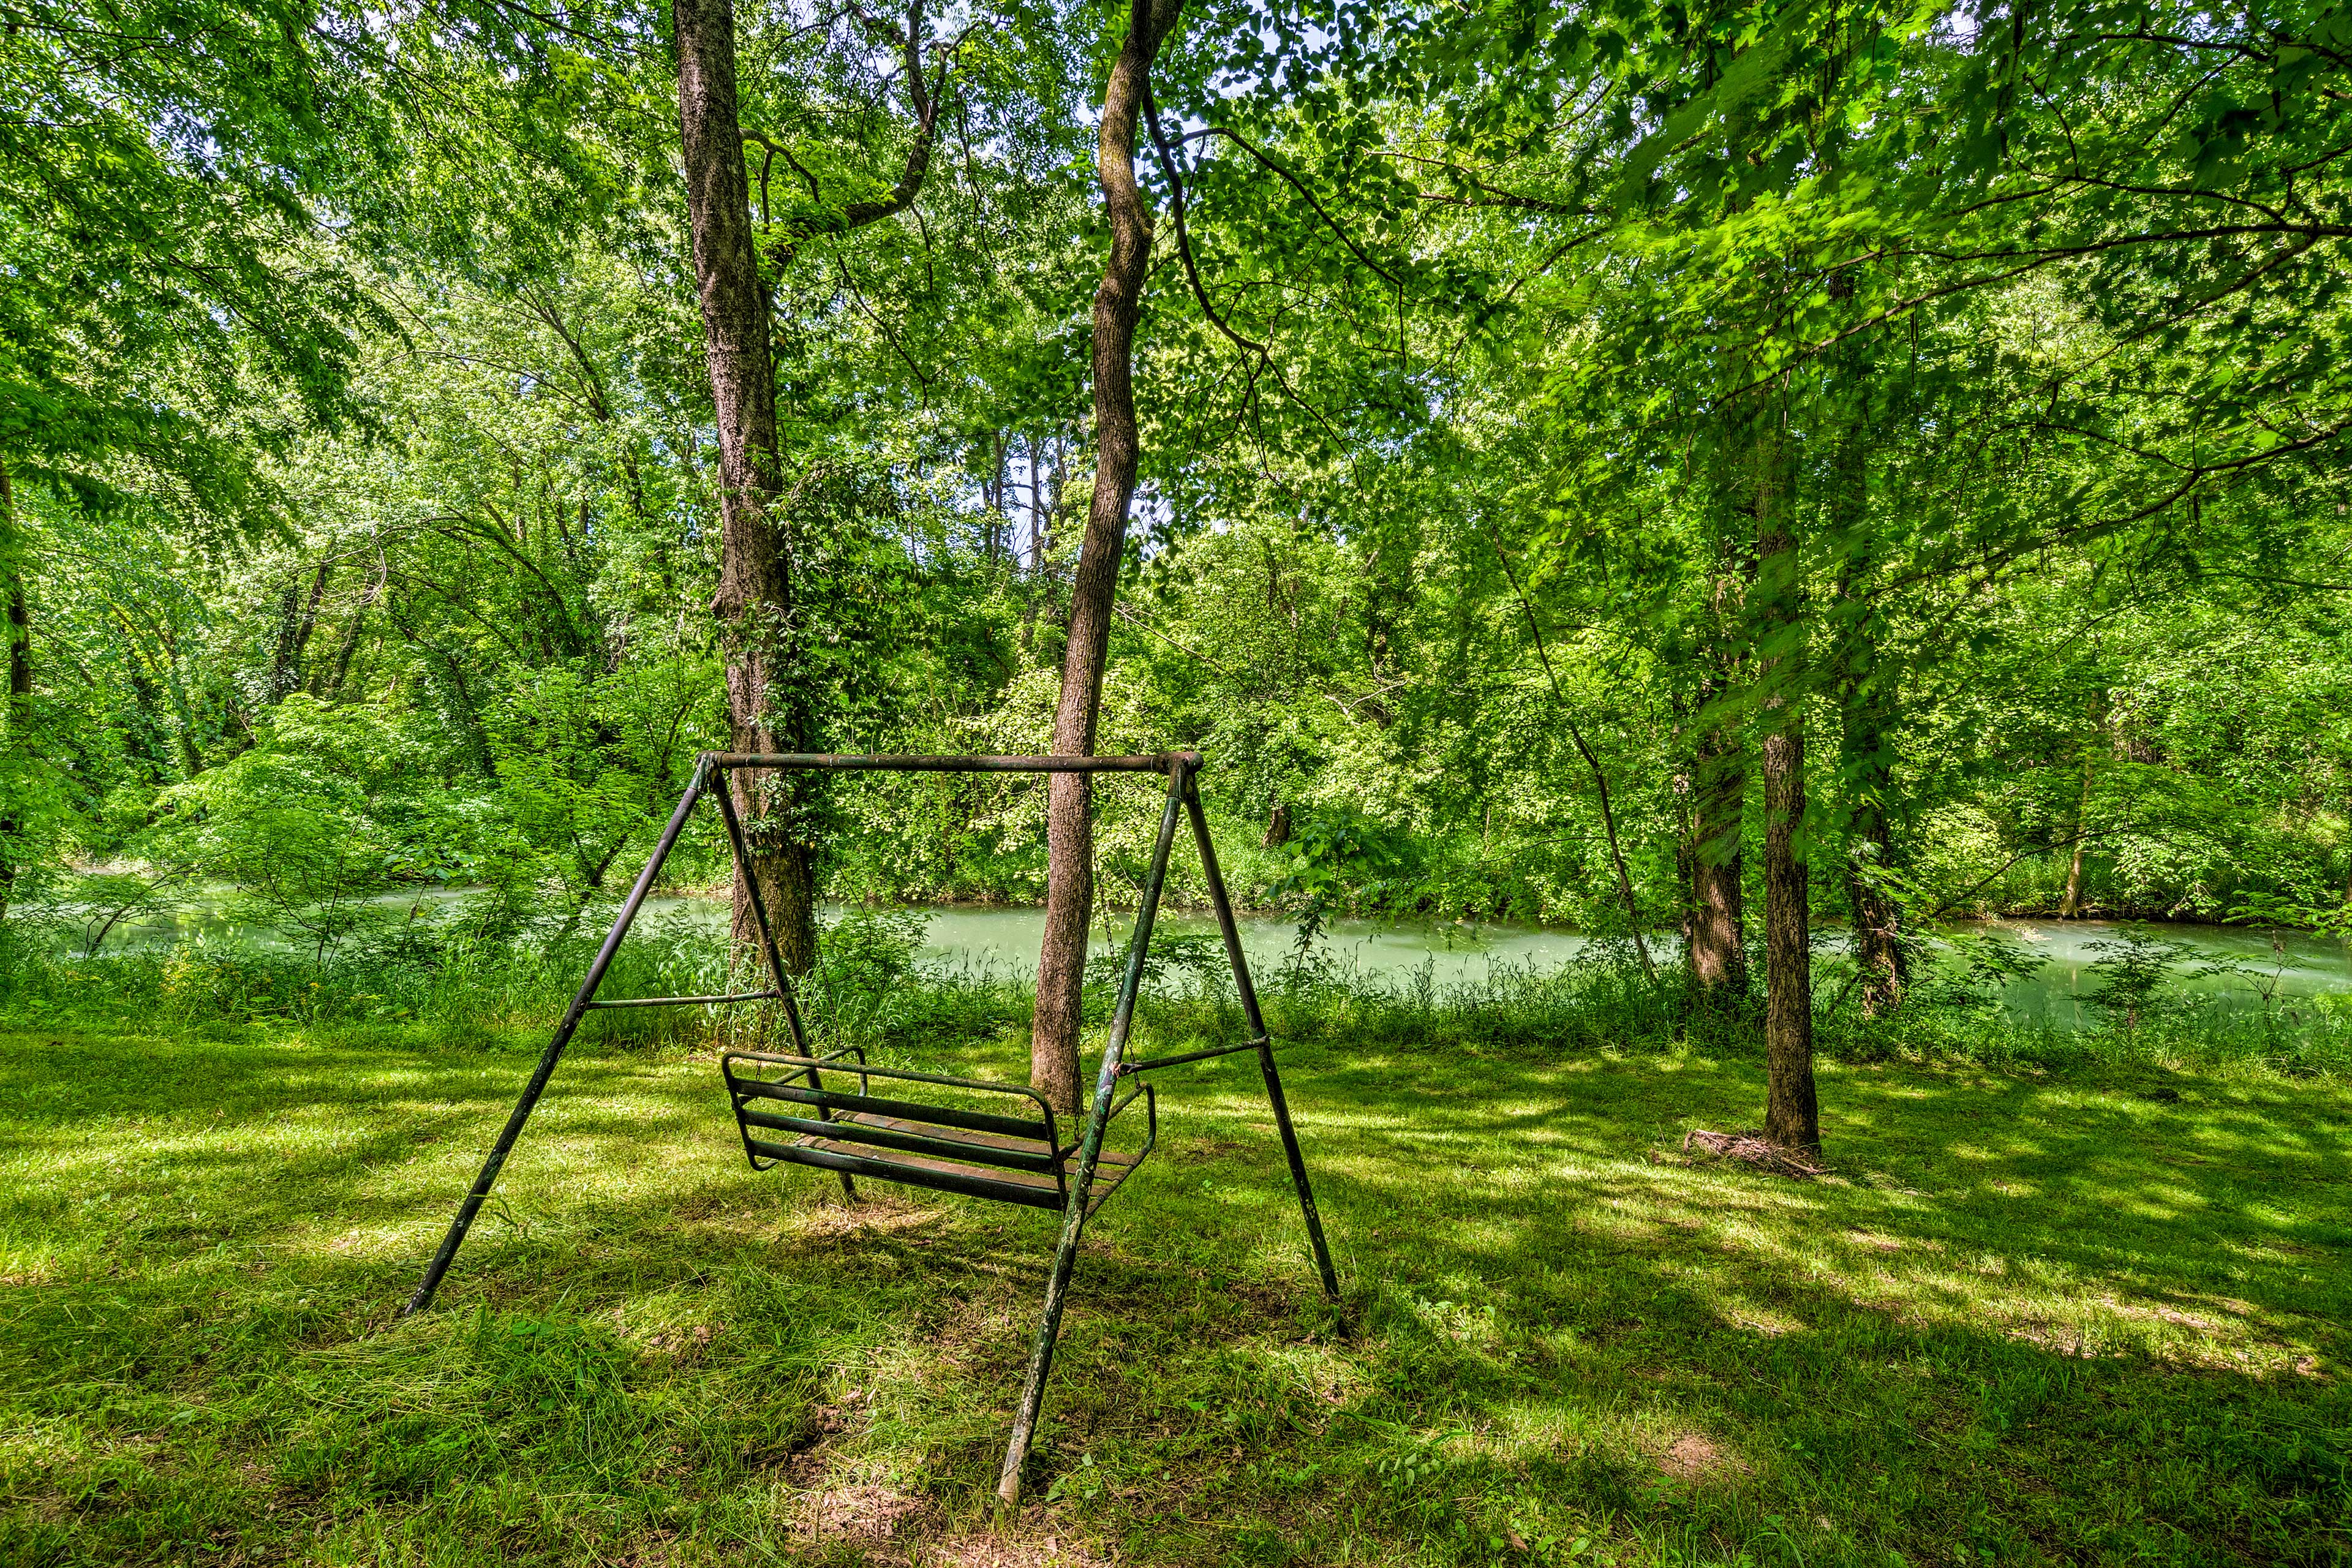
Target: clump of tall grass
{"x": 448, "y": 980}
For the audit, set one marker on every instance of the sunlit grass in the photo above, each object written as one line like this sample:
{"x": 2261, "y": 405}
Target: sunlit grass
{"x": 2096, "y": 1317}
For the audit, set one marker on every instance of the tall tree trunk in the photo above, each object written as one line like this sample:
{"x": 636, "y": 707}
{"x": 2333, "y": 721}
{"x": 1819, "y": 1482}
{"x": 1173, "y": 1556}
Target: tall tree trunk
{"x": 1878, "y": 917}
{"x": 16, "y": 718}
{"x": 755, "y": 588}
{"x": 998, "y": 508}
{"x": 2069, "y": 903}
{"x": 331, "y": 685}
{"x": 1717, "y": 918}
{"x": 298, "y": 620}
{"x": 1792, "y": 1113}
{"x": 1865, "y": 700}
{"x": 1069, "y": 838}
{"x": 1037, "y": 510}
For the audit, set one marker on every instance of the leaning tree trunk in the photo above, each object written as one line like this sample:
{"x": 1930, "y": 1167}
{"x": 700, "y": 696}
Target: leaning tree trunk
{"x": 1716, "y": 924}
{"x": 1878, "y": 917}
{"x": 1791, "y": 1114}
{"x": 1714, "y": 920}
{"x": 1069, "y": 839}
{"x": 16, "y": 718}
{"x": 755, "y": 586}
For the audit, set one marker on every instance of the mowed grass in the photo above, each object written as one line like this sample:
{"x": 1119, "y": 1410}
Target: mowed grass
{"x": 2027, "y": 1320}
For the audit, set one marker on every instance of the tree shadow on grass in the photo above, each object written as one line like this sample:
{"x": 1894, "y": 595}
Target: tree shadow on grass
{"x": 2053, "y": 1319}
{"x": 2015, "y": 1247}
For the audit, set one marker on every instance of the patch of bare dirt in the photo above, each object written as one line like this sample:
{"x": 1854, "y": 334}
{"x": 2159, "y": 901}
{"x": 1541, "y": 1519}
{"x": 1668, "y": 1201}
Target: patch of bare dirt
{"x": 866, "y": 1513}
{"x": 685, "y": 1345}
{"x": 2148, "y": 1313}
{"x": 875, "y": 1211}
{"x": 1025, "y": 1547}
{"x": 1694, "y": 1456}
{"x": 2061, "y": 1339}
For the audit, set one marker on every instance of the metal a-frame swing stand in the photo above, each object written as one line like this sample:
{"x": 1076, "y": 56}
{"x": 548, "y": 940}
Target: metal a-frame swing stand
{"x": 901, "y": 1141}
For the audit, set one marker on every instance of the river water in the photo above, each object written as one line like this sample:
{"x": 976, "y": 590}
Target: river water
{"x": 1004, "y": 942}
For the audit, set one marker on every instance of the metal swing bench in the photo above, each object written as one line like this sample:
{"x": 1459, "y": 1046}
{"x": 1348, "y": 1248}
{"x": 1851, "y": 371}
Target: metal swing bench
{"x": 788, "y": 1113}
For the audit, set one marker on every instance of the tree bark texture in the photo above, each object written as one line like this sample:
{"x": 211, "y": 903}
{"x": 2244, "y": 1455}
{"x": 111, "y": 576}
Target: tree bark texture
{"x": 1791, "y": 1112}
{"x": 298, "y": 620}
{"x": 754, "y": 602}
{"x": 1069, "y": 881}
{"x": 1716, "y": 934}
{"x": 1866, "y": 700}
{"x": 1878, "y": 917}
{"x": 16, "y": 718}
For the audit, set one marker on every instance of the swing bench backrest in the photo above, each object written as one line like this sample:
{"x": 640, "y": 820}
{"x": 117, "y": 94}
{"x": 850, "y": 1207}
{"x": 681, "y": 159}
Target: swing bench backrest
{"x": 805, "y": 1115}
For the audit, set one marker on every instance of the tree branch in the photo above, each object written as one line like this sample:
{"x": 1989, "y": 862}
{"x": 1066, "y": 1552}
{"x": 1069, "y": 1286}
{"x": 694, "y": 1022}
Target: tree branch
{"x": 1297, "y": 185}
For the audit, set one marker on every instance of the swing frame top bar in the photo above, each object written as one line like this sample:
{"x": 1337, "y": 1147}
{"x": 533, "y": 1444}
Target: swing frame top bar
{"x": 829, "y": 762}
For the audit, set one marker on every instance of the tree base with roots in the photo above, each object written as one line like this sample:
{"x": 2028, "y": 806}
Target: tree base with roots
{"x": 1750, "y": 1149}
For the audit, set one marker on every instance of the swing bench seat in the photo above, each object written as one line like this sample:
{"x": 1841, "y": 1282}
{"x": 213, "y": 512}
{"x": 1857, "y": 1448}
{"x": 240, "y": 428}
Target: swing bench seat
{"x": 799, "y": 1119}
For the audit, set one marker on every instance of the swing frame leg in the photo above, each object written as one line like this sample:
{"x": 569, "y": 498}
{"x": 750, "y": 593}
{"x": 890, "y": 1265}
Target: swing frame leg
{"x": 1259, "y": 1037}
{"x": 1074, "y": 1219}
{"x": 708, "y": 780}
{"x": 581, "y": 1000}
{"x": 743, "y": 850}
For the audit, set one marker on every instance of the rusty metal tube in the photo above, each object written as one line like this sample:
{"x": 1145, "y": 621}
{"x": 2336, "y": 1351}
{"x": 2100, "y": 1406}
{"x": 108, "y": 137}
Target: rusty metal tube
{"x": 1074, "y": 1220}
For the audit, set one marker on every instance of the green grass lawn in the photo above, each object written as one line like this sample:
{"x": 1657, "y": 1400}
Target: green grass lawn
{"x": 2026, "y": 1320}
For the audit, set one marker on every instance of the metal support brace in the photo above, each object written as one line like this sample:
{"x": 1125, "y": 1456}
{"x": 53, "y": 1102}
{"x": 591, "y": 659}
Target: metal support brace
{"x": 743, "y": 866}
{"x": 1233, "y": 934}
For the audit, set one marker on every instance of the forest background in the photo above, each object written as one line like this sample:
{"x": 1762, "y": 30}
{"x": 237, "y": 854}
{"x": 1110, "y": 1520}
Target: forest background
{"x": 1620, "y": 464}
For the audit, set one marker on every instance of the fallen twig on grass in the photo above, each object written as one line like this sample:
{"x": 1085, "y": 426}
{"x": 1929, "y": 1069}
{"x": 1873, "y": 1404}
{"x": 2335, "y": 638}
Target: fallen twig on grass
{"x": 1750, "y": 1149}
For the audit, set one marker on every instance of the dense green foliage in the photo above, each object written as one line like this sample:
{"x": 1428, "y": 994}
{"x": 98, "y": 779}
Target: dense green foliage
{"x": 1507, "y": 335}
